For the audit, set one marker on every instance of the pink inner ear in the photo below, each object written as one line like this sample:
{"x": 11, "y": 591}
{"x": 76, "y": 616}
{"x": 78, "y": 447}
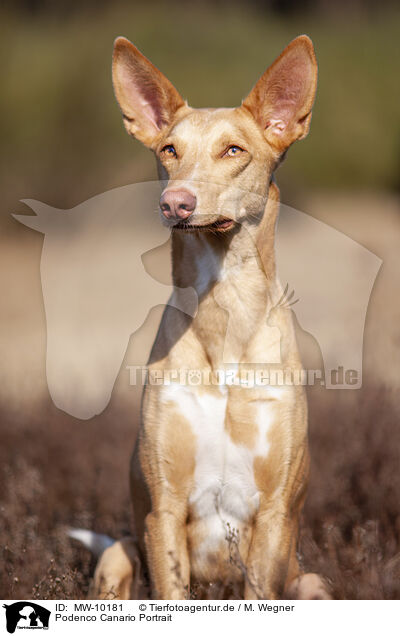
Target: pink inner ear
{"x": 278, "y": 124}
{"x": 288, "y": 87}
{"x": 150, "y": 112}
{"x": 142, "y": 95}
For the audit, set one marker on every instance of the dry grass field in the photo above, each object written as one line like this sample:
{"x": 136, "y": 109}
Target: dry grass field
{"x": 57, "y": 472}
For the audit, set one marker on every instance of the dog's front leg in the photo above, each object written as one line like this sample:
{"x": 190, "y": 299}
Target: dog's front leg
{"x": 272, "y": 560}
{"x": 273, "y": 570}
{"x": 272, "y": 555}
{"x": 167, "y": 553}
{"x": 167, "y": 457}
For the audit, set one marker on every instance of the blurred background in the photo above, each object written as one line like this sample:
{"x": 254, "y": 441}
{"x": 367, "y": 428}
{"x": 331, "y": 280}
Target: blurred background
{"x": 61, "y": 135}
{"x": 63, "y": 141}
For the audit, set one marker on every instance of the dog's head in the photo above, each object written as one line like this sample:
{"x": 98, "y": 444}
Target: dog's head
{"x": 217, "y": 163}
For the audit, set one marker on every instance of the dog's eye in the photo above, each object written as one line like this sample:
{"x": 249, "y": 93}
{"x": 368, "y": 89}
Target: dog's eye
{"x": 233, "y": 151}
{"x": 169, "y": 150}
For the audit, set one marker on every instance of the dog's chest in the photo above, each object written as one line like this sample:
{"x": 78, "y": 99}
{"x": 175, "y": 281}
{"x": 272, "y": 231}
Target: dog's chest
{"x": 224, "y": 483}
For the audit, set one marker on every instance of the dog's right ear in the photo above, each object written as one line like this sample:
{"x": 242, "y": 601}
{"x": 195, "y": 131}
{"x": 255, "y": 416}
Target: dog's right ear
{"x": 282, "y": 100}
{"x": 147, "y": 99}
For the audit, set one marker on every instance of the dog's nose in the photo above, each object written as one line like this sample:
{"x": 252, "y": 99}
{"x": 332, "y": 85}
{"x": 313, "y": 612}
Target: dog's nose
{"x": 177, "y": 204}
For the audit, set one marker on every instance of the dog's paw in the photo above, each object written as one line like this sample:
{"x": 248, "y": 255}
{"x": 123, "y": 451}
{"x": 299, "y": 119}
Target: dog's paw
{"x": 308, "y": 587}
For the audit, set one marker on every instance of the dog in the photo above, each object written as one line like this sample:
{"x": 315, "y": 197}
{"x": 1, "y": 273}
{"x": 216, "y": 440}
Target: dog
{"x": 219, "y": 472}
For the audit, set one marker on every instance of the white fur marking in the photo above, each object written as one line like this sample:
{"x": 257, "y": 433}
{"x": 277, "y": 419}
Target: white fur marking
{"x": 265, "y": 417}
{"x": 224, "y": 490}
{"x": 208, "y": 266}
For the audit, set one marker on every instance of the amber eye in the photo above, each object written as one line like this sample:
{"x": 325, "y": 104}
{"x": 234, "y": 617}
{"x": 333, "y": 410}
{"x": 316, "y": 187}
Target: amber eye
{"x": 169, "y": 150}
{"x": 233, "y": 151}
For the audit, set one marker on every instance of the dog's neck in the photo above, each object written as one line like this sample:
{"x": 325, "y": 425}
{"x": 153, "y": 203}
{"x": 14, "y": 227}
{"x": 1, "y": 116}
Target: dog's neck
{"x": 201, "y": 259}
{"x": 234, "y": 277}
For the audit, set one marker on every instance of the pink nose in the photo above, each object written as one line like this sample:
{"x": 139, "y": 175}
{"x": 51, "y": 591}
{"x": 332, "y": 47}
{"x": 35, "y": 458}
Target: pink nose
{"x": 177, "y": 204}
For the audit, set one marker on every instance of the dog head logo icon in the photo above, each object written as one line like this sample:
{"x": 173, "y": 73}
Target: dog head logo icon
{"x": 26, "y": 615}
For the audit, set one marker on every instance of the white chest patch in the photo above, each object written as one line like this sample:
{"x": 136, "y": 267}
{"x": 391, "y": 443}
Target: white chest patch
{"x": 224, "y": 489}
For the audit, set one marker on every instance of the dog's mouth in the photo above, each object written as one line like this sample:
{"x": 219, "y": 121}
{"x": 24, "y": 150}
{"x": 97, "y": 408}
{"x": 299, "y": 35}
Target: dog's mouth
{"x": 222, "y": 225}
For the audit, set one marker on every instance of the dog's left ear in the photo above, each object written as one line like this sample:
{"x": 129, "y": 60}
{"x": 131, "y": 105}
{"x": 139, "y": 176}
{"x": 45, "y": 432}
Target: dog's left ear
{"x": 147, "y": 99}
{"x": 283, "y": 97}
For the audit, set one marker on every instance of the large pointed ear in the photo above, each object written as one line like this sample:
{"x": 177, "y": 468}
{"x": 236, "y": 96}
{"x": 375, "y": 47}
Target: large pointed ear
{"x": 148, "y": 100}
{"x": 46, "y": 219}
{"x": 283, "y": 97}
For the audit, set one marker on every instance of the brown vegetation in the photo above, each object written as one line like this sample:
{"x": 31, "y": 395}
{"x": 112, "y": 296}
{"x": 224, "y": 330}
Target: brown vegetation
{"x": 57, "y": 471}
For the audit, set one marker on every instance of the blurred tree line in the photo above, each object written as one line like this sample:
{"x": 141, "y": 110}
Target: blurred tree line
{"x": 278, "y": 7}
{"x": 62, "y": 136}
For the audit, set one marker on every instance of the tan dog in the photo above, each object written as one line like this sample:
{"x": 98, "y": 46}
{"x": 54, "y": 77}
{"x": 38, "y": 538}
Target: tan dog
{"x": 220, "y": 471}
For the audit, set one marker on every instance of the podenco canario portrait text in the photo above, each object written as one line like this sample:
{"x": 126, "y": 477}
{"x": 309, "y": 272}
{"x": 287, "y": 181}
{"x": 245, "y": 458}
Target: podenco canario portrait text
{"x": 219, "y": 472}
